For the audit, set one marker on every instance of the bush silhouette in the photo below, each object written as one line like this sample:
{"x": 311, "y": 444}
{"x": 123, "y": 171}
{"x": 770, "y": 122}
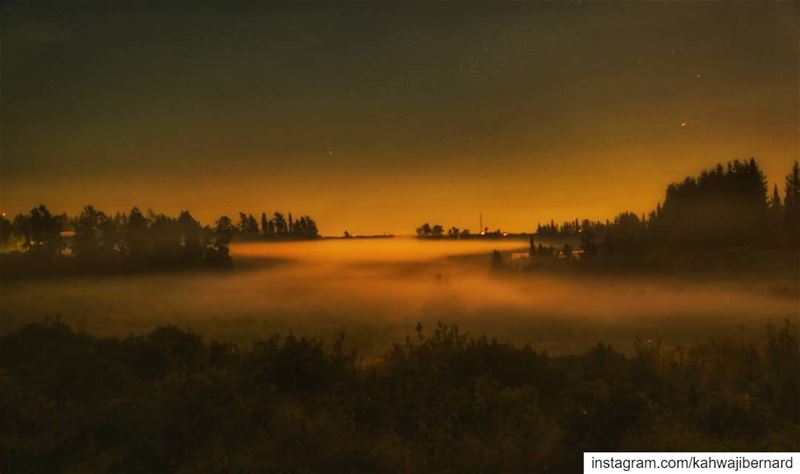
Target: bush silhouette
{"x": 170, "y": 401}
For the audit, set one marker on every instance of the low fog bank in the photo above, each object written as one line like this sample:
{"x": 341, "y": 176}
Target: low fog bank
{"x": 377, "y": 290}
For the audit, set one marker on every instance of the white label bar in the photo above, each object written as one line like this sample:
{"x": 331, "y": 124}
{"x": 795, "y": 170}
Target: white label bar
{"x": 691, "y": 463}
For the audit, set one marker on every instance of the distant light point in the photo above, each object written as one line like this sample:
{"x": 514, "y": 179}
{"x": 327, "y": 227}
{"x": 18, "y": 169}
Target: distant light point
{"x": 698, "y": 75}
{"x": 683, "y": 124}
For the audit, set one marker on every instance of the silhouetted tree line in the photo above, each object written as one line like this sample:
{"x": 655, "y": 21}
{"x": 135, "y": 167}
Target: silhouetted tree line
{"x": 39, "y": 231}
{"x": 426, "y": 231}
{"x": 277, "y": 227}
{"x": 553, "y": 229}
{"x": 440, "y": 402}
{"x": 123, "y": 240}
{"x": 727, "y": 206}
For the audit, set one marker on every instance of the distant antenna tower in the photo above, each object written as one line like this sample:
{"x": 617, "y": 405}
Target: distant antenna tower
{"x": 480, "y": 229}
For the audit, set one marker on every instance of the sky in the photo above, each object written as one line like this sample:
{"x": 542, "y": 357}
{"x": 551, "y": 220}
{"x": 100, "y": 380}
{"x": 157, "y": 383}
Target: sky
{"x": 376, "y": 117}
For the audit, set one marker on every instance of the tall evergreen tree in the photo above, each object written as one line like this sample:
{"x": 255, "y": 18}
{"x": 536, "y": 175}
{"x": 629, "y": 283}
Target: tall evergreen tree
{"x": 264, "y": 224}
{"x": 86, "y": 244}
{"x": 588, "y": 241}
{"x": 775, "y": 214}
{"x": 791, "y": 203}
{"x": 191, "y": 237}
{"x": 280, "y": 224}
{"x": 135, "y": 234}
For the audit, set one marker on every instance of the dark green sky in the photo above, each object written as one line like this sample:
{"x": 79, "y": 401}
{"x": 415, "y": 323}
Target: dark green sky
{"x": 376, "y": 116}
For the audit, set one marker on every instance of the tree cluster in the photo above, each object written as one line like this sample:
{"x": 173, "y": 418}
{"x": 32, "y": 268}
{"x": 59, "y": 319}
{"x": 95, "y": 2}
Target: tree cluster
{"x": 724, "y": 207}
{"x": 552, "y": 229}
{"x": 277, "y": 227}
{"x": 130, "y": 240}
{"x": 427, "y": 231}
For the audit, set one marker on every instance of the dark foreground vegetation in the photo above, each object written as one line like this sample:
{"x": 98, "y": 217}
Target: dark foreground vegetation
{"x": 439, "y": 402}
{"x": 97, "y": 242}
